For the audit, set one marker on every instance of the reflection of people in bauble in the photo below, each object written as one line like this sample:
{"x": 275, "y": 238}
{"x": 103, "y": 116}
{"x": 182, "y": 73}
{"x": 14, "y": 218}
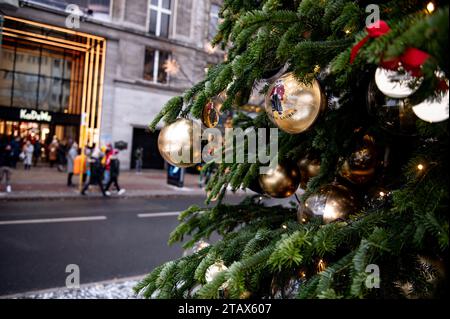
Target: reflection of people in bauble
{"x": 212, "y": 113}
{"x": 276, "y": 96}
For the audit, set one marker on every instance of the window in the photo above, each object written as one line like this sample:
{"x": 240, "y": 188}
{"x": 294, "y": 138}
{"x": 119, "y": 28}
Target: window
{"x": 154, "y": 65}
{"x": 213, "y": 20}
{"x": 159, "y": 20}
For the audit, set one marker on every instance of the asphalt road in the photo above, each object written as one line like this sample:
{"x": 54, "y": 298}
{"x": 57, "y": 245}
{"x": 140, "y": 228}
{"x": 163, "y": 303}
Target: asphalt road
{"x": 106, "y": 238}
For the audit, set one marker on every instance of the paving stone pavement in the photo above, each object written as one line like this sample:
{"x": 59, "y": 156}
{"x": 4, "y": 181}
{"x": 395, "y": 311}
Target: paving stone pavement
{"x": 48, "y": 183}
{"x": 117, "y": 289}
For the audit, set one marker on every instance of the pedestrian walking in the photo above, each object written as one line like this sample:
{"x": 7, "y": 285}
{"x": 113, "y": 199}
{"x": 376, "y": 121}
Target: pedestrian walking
{"x": 53, "y": 151}
{"x": 61, "y": 155}
{"x": 94, "y": 173}
{"x": 80, "y": 165}
{"x": 108, "y": 151}
{"x": 113, "y": 164}
{"x": 37, "y": 152}
{"x": 15, "y": 148}
{"x": 71, "y": 155}
{"x": 139, "y": 154}
{"x": 28, "y": 150}
{"x": 6, "y": 162}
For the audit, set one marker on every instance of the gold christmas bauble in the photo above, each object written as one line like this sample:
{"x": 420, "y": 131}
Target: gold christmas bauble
{"x": 309, "y": 167}
{"x": 281, "y": 181}
{"x": 292, "y": 105}
{"x": 211, "y": 111}
{"x": 359, "y": 167}
{"x": 332, "y": 202}
{"x": 176, "y": 143}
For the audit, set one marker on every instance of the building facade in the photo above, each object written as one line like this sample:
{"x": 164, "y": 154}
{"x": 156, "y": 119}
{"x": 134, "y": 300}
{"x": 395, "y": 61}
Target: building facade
{"x": 131, "y": 44}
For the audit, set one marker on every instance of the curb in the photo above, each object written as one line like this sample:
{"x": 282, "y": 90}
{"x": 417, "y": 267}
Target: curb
{"x": 91, "y": 197}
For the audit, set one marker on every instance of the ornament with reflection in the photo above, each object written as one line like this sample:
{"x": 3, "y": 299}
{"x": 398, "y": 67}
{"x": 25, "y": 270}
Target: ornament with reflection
{"x": 309, "y": 167}
{"x": 394, "y": 115}
{"x": 211, "y": 111}
{"x": 359, "y": 167}
{"x": 177, "y": 139}
{"x": 331, "y": 203}
{"x": 281, "y": 181}
{"x": 396, "y": 84}
{"x": 292, "y": 105}
{"x": 433, "y": 110}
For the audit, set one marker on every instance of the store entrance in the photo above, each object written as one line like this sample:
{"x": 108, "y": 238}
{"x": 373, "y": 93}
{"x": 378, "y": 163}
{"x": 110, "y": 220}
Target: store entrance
{"x": 41, "y": 134}
{"x": 149, "y": 142}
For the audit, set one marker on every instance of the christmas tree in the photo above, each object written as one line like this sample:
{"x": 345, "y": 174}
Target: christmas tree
{"x": 359, "y": 93}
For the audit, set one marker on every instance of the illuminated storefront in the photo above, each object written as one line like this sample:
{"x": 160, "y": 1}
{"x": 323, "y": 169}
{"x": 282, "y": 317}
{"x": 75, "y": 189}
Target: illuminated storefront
{"x": 51, "y": 82}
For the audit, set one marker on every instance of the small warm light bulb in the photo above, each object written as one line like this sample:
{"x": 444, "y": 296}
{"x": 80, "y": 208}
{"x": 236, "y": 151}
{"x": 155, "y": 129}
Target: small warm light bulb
{"x": 347, "y": 31}
{"x": 420, "y": 167}
{"x": 430, "y": 7}
{"x": 382, "y": 194}
{"x": 284, "y": 226}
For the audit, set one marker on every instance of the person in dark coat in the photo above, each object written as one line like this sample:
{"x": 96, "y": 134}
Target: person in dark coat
{"x": 95, "y": 175}
{"x": 6, "y": 162}
{"x": 37, "y": 152}
{"x": 114, "y": 168}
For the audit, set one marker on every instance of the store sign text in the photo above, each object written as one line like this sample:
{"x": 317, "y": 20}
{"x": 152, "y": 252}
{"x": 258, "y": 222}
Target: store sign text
{"x": 35, "y": 115}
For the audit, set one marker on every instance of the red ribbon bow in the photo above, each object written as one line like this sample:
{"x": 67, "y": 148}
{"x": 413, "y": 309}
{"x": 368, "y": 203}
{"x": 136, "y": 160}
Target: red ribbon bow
{"x": 375, "y": 30}
{"x": 412, "y": 59}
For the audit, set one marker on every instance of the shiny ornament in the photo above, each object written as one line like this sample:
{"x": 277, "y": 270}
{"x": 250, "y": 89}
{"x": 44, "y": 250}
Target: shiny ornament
{"x": 176, "y": 143}
{"x": 396, "y": 84}
{"x": 433, "y": 110}
{"x": 331, "y": 203}
{"x": 287, "y": 287}
{"x": 201, "y": 244}
{"x": 394, "y": 115}
{"x": 281, "y": 181}
{"x": 292, "y": 105}
{"x": 211, "y": 111}
{"x": 214, "y": 270}
{"x": 309, "y": 167}
{"x": 377, "y": 197}
{"x": 321, "y": 265}
{"x": 359, "y": 167}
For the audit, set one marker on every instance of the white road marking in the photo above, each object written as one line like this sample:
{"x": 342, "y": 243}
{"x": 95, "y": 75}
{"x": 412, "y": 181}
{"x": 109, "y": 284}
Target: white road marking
{"x": 158, "y": 214}
{"x": 51, "y": 220}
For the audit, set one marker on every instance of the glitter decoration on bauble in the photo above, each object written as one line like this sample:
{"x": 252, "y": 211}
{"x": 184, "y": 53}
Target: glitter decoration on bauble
{"x": 360, "y": 166}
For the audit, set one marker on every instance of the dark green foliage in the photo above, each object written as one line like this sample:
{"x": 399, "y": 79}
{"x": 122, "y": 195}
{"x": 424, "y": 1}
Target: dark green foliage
{"x": 261, "y": 243}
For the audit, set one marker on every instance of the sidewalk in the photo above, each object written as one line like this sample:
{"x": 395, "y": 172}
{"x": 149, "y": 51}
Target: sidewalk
{"x": 48, "y": 183}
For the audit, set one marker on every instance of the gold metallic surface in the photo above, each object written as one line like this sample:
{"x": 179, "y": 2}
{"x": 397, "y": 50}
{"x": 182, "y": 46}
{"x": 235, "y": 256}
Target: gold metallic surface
{"x": 210, "y": 114}
{"x": 332, "y": 202}
{"x": 176, "y": 139}
{"x": 359, "y": 167}
{"x": 211, "y": 110}
{"x": 309, "y": 167}
{"x": 282, "y": 181}
{"x": 299, "y": 104}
